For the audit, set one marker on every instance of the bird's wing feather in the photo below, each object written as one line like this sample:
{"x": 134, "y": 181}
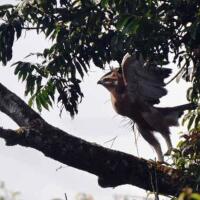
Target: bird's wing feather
{"x": 144, "y": 82}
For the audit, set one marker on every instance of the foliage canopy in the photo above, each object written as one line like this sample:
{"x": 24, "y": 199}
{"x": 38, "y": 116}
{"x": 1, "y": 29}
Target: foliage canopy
{"x": 99, "y": 31}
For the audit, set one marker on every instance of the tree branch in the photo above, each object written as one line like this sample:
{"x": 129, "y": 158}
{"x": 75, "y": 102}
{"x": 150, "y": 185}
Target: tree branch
{"x": 15, "y": 108}
{"x": 112, "y": 167}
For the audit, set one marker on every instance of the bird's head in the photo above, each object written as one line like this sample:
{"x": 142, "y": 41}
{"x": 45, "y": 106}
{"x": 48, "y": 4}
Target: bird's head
{"x": 112, "y": 80}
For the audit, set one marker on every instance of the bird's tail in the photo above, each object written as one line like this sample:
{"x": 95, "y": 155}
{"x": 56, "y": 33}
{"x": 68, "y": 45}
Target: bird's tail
{"x": 172, "y": 114}
{"x": 182, "y": 108}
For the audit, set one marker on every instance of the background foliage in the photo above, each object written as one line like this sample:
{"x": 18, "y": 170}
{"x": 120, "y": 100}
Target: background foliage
{"x": 6, "y": 194}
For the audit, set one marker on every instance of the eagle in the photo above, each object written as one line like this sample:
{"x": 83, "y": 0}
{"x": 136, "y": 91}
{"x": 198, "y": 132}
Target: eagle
{"x": 135, "y": 88}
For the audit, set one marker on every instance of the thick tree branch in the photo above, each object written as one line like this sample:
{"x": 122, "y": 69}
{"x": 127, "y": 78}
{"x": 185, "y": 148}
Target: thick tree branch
{"x": 15, "y": 108}
{"x": 112, "y": 167}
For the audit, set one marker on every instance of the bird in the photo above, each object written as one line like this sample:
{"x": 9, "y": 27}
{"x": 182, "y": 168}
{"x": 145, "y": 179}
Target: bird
{"x": 135, "y": 87}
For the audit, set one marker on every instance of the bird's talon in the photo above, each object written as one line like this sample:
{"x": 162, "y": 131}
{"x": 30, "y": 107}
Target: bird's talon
{"x": 168, "y": 153}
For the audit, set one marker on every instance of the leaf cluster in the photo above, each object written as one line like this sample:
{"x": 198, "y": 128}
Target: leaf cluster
{"x": 6, "y": 194}
{"x": 187, "y": 156}
{"x": 10, "y": 28}
{"x": 80, "y": 32}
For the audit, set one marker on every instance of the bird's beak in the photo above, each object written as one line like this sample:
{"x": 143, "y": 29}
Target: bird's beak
{"x": 101, "y": 82}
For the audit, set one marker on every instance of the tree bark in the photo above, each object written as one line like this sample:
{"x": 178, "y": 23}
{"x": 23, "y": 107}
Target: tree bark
{"x": 113, "y": 168}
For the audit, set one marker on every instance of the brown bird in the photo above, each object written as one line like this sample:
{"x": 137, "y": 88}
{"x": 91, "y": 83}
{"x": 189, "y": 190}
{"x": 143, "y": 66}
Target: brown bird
{"x": 135, "y": 87}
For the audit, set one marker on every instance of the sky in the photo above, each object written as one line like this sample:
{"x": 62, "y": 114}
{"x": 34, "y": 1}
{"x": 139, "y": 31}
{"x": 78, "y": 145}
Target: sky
{"x": 38, "y": 177}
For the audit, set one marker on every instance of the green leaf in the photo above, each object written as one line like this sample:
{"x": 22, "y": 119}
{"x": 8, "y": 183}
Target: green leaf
{"x": 79, "y": 68}
{"x": 43, "y": 100}
{"x": 197, "y": 120}
{"x": 189, "y": 94}
{"x": 186, "y": 117}
{"x": 18, "y": 28}
{"x": 38, "y": 104}
{"x": 31, "y": 100}
{"x": 83, "y": 65}
{"x": 190, "y": 122}
{"x": 195, "y": 196}
{"x": 30, "y": 84}
{"x": 132, "y": 26}
{"x": 104, "y": 3}
{"x": 123, "y": 21}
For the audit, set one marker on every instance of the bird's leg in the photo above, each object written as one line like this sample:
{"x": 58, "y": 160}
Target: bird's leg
{"x": 159, "y": 152}
{"x": 169, "y": 143}
{"x": 150, "y": 138}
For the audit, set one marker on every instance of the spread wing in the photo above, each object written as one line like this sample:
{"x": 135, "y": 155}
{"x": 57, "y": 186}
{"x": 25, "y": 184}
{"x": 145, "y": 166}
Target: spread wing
{"x": 144, "y": 82}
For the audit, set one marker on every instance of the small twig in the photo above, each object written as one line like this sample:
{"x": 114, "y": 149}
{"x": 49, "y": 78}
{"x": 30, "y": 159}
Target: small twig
{"x": 154, "y": 187}
{"x": 182, "y": 68}
{"x": 61, "y": 167}
{"x": 111, "y": 140}
{"x": 125, "y": 122}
